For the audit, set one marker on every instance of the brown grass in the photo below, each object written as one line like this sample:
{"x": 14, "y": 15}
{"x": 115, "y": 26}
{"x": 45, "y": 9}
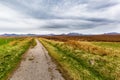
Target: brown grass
{"x": 89, "y": 47}
{"x": 105, "y": 38}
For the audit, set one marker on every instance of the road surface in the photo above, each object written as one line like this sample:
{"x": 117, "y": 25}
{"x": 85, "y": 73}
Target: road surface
{"x": 37, "y": 65}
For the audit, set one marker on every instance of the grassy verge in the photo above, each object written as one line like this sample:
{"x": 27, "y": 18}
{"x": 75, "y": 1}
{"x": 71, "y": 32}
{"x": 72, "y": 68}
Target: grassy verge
{"x": 112, "y": 45}
{"x": 6, "y": 40}
{"x": 10, "y": 55}
{"x": 81, "y": 64}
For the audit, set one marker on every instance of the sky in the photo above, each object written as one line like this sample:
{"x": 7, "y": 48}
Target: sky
{"x": 59, "y": 16}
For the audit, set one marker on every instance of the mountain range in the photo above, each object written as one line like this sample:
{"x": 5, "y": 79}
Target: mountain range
{"x": 68, "y": 34}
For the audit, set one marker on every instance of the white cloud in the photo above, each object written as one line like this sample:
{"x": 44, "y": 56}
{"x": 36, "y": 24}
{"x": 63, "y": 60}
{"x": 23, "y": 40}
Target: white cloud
{"x": 45, "y": 16}
{"x": 7, "y": 13}
{"x": 85, "y": 10}
{"x": 11, "y": 20}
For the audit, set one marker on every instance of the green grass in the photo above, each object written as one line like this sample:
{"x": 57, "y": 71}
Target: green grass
{"x": 10, "y": 56}
{"x": 114, "y": 45}
{"x": 83, "y": 65}
{"x": 6, "y": 40}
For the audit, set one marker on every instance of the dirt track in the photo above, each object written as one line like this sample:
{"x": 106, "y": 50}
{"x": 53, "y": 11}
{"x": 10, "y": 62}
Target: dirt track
{"x": 37, "y": 65}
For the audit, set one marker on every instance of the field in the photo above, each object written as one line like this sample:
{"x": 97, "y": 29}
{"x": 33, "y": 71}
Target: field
{"x": 11, "y": 50}
{"x": 104, "y": 38}
{"x": 77, "y": 57}
{"x": 85, "y": 59}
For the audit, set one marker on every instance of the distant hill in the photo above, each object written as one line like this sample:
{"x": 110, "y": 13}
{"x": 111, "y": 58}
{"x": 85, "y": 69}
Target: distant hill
{"x": 68, "y": 34}
{"x": 112, "y": 33}
{"x": 74, "y": 34}
{"x": 18, "y": 34}
{"x": 9, "y": 35}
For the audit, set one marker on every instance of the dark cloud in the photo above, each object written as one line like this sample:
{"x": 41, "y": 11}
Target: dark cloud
{"x": 100, "y": 20}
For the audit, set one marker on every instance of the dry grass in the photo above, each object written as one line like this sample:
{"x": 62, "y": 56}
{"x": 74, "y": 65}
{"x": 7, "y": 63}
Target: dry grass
{"x": 104, "y": 38}
{"x": 89, "y": 47}
{"x": 84, "y": 60}
{"x": 10, "y": 55}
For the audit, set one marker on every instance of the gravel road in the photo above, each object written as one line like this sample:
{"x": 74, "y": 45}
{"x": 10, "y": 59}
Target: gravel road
{"x": 37, "y": 65}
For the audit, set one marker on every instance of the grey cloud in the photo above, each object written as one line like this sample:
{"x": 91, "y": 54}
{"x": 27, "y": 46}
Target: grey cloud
{"x": 44, "y": 10}
{"x": 36, "y": 9}
{"x": 100, "y": 20}
{"x": 103, "y": 4}
{"x": 76, "y": 25}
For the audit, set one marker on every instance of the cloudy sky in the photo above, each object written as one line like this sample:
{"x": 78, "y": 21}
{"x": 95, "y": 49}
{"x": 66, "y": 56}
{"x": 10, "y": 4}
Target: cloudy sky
{"x": 59, "y": 16}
